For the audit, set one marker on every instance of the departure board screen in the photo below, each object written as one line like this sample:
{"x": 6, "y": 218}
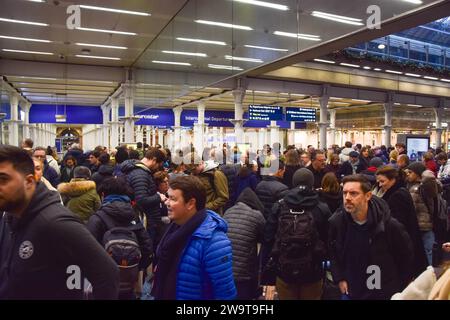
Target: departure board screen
{"x": 301, "y": 114}
{"x": 265, "y": 112}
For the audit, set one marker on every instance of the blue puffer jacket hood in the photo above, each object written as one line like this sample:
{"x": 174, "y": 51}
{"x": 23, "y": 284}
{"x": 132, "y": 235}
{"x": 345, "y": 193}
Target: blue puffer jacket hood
{"x": 212, "y": 222}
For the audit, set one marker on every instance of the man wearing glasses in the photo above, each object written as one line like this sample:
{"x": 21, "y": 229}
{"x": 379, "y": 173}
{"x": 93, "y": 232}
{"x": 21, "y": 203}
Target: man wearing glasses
{"x": 49, "y": 173}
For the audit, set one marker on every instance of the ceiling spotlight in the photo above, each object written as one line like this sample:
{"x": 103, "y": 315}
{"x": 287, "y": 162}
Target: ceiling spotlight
{"x": 85, "y": 51}
{"x": 381, "y": 46}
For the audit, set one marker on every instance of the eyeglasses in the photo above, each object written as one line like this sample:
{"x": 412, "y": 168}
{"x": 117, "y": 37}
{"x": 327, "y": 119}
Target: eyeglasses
{"x": 39, "y": 157}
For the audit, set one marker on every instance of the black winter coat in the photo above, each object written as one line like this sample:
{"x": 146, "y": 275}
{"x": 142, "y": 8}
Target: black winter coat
{"x": 402, "y": 208}
{"x": 245, "y": 229}
{"x": 121, "y": 214}
{"x": 289, "y": 173}
{"x": 269, "y": 191}
{"x": 390, "y": 248}
{"x": 140, "y": 179}
{"x": 38, "y": 253}
{"x": 333, "y": 200}
{"x": 104, "y": 171}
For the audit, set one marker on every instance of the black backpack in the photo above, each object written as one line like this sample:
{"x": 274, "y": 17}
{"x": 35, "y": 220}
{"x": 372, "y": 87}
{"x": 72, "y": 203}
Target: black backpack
{"x": 122, "y": 245}
{"x": 298, "y": 249}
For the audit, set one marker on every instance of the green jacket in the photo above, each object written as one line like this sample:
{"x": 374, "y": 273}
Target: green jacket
{"x": 216, "y": 185}
{"x": 80, "y": 197}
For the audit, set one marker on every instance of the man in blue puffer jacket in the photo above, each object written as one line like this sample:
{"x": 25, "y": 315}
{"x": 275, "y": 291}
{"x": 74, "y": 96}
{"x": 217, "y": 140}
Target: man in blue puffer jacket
{"x": 194, "y": 259}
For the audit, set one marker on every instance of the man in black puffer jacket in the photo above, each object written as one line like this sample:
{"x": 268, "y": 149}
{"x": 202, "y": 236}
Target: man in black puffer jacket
{"x": 302, "y": 195}
{"x": 105, "y": 170}
{"x": 245, "y": 230}
{"x": 139, "y": 178}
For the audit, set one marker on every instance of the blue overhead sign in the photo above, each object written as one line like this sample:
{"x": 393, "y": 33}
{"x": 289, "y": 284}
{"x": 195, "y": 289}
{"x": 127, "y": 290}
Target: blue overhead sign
{"x": 265, "y": 113}
{"x": 301, "y": 114}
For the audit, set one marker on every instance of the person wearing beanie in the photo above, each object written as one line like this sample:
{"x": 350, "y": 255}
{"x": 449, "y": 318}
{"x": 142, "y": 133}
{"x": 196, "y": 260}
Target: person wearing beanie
{"x": 424, "y": 205}
{"x": 303, "y": 196}
{"x": 80, "y": 195}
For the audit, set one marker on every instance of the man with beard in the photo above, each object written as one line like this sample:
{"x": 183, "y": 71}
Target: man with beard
{"x": 371, "y": 253}
{"x": 45, "y": 252}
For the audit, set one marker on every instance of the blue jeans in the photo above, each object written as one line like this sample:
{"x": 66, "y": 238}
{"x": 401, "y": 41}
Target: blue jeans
{"x": 428, "y": 241}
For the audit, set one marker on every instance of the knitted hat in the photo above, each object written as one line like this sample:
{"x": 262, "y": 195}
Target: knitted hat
{"x": 353, "y": 154}
{"x": 417, "y": 167}
{"x": 375, "y": 162}
{"x": 303, "y": 177}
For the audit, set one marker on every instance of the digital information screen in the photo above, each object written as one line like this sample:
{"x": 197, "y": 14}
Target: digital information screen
{"x": 416, "y": 147}
{"x": 301, "y": 114}
{"x": 265, "y": 113}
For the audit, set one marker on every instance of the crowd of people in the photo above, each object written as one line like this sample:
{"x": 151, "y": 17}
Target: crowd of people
{"x": 356, "y": 222}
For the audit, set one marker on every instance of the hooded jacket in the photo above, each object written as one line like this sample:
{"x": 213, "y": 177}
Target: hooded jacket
{"x": 80, "y": 197}
{"x": 121, "y": 214}
{"x": 390, "y": 248}
{"x": 104, "y": 171}
{"x": 216, "y": 185}
{"x": 333, "y": 200}
{"x": 269, "y": 191}
{"x": 140, "y": 179}
{"x": 38, "y": 253}
{"x": 245, "y": 229}
{"x": 205, "y": 269}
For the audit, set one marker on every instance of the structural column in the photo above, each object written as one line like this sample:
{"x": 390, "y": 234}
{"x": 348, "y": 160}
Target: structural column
{"x": 291, "y": 134}
{"x": 177, "y": 128}
{"x": 153, "y": 136}
{"x": 148, "y": 135}
{"x": 114, "y": 137}
{"x": 388, "y": 106}
{"x": 238, "y": 121}
{"x": 161, "y": 137}
{"x": 438, "y": 111}
{"x": 274, "y": 133}
{"x": 13, "y": 123}
{"x": 323, "y": 124}
{"x": 332, "y": 126}
{"x": 105, "y": 127}
{"x": 129, "y": 111}
{"x": 139, "y": 134}
{"x": 199, "y": 128}
{"x": 26, "y": 106}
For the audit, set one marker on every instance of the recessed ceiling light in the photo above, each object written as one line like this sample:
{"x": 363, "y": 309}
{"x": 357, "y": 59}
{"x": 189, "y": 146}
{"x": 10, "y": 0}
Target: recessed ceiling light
{"x": 172, "y": 62}
{"x": 337, "y": 18}
{"x": 219, "y": 66}
{"x": 25, "y": 39}
{"x": 36, "y": 0}
{"x": 367, "y": 68}
{"x": 265, "y": 4}
{"x": 100, "y": 46}
{"x": 298, "y": 35}
{"x": 35, "y": 78}
{"x": 413, "y": 1}
{"x": 96, "y": 57}
{"x": 266, "y": 48}
{"x": 114, "y": 10}
{"x": 25, "y": 51}
{"x": 243, "y": 59}
{"x": 223, "y": 24}
{"x": 349, "y": 65}
{"x": 324, "y": 61}
{"x": 186, "y": 53}
{"x": 381, "y": 46}
{"x": 376, "y": 69}
{"x": 219, "y": 43}
{"x": 445, "y": 80}
{"x": 412, "y": 75}
{"x": 393, "y": 71}
{"x": 24, "y": 22}
{"x": 430, "y": 78}
{"x": 107, "y": 31}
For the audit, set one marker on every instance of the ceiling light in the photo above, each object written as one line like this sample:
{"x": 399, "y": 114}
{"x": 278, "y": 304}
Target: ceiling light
{"x": 266, "y": 48}
{"x": 34, "y": 78}
{"x": 100, "y": 46}
{"x": 298, "y": 35}
{"x": 324, "y": 61}
{"x": 361, "y": 100}
{"x": 349, "y": 65}
{"x": 24, "y": 22}
{"x": 36, "y": 0}
{"x": 445, "y": 80}
{"x": 381, "y": 46}
{"x": 114, "y": 10}
{"x": 219, "y": 43}
{"x": 24, "y": 51}
{"x": 243, "y": 59}
{"x": 186, "y": 53}
{"x": 393, "y": 71}
{"x": 96, "y": 57}
{"x": 264, "y": 92}
{"x": 413, "y": 1}
{"x": 25, "y": 39}
{"x": 414, "y": 105}
{"x": 172, "y": 62}
{"x": 107, "y": 31}
{"x": 367, "y": 68}
{"x": 219, "y": 66}
{"x": 222, "y": 24}
{"x": 337, "y": 18}
{"x": 412, "y": 75}
{"x": 430, "y": 78}
{"x": 376, "y": 69}
{"x": 265, "y": 4}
